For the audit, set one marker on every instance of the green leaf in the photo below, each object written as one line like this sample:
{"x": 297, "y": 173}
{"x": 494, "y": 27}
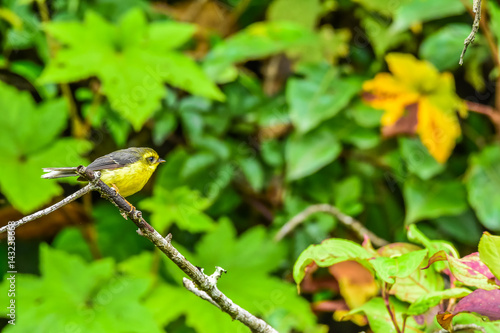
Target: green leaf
{"x": 249, "y": 260}
{"x": 319, "y": 97}
{"x": 181, "y": 206}
{"x": 419, "y": 282}
{"x": 132, "y": 59}
{"x": 183, "y": 72}
{"x": 347, "y": 194}
{"x": 71, "y": 240}
{"x": 386, "y": 268}
{"x": 463, "y": 228}
{"x": 29, "y": 138}
{"x": 25, "y": 32}
{"x": 28, "y": 148}
{"x": 253, "y": 171}
{"x": 363, "y": 138}
{"x": 432, "y": 299}
{"x": 494, "y": 11}
{"x": 440, "y": 48}
{"x": 164, "y": 126}
{"x": 489, "y": 252}
{"x": 417, "y": 11}
{"x": 199, "y": 316}
{"x": 272, "y": 152}
{"x": 409, "y": 262}
{"x": 21, "y": 180}
{"x": 417, "y": 236}
{"x": 418, "y": 160}
{"x": 433, "y": 199}
{"x": 214, "y": 145}
{"x": 256, "y": 41}
{"x": 380, "y": 6}
{"x": 364, "y": 115}
{"x": 306, "y": 13}
{"x": 379, "y": 33}
{"x": 114, "y": 238}
{"x": 306, "y": 154}
{"x": 483, "y": 182}
{"x": 398, "y": 267}
{"x": 479, "y": 321}
{"x": 469, "y": 270}
{"x": 329, "y": 252}
{"x": 69, "y": 292}
{"x": 197, "y": 162}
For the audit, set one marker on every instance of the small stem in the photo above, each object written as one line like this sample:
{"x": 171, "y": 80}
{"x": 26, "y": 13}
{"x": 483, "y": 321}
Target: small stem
{"x": 487, "y": 110}
{"x": 404, "y": 324}
{"x": 347, "y": 220}
{"x": 385, "y": 296}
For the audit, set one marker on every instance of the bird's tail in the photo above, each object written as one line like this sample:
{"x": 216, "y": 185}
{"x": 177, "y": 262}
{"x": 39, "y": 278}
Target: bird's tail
{"x": 58, "y": 173}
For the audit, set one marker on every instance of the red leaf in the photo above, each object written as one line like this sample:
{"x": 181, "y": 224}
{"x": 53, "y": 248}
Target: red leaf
{"x": 483, "y": 302}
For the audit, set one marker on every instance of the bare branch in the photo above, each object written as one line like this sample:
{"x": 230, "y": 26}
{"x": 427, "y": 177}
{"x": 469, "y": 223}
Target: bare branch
{"x": 81, "y": 192}
{"x": 201, "y": 281}
{"x": 347, "y": 220}
{"x": 476, "y": 8}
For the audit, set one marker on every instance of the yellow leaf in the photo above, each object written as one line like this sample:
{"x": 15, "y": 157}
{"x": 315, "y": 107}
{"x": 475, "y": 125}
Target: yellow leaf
{"x": 415, "y": 75}
{"x": 358, "y": 319}
{"x": 389, "y": 95}
{"x": 438, "y": 129}
{"x": 418, "y": 82}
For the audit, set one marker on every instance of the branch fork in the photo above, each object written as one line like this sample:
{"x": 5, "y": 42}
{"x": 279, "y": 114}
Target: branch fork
{"x": 211, "y": 281}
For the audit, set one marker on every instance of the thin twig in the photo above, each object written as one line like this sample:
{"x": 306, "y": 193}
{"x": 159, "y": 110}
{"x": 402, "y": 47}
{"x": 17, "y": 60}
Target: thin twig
{"x": 347, "y": 220}
{"x": 464, "y": 327}
{"x": 14, "y": 224}
{"x": 476, "y": 8}
{"x": 487, "y": 110}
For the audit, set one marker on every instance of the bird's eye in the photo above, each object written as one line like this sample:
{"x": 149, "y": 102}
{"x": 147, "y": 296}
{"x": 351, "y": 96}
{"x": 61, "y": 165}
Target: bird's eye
{"x": 151, "y": 159}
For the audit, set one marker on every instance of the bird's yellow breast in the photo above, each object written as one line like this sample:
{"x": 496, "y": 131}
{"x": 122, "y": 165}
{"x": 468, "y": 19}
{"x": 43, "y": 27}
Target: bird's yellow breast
{"x": 128, "y": 179}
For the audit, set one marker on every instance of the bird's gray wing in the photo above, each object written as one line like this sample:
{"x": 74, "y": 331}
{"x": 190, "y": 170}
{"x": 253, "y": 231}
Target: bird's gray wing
{"x": 114, "y": 160}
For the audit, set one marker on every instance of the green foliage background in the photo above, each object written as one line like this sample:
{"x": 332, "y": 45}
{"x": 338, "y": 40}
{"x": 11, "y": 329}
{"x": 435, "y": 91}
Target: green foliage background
{"x": 259, "y": 115}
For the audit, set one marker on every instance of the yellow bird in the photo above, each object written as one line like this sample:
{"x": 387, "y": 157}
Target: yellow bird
{"x": 126, "y": 170}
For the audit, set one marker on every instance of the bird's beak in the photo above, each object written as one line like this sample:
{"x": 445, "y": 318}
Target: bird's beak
{"x": 161, "y": 160}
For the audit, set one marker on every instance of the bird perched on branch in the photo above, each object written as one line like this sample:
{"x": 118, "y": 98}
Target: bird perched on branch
{"x": 126, "y": 170}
